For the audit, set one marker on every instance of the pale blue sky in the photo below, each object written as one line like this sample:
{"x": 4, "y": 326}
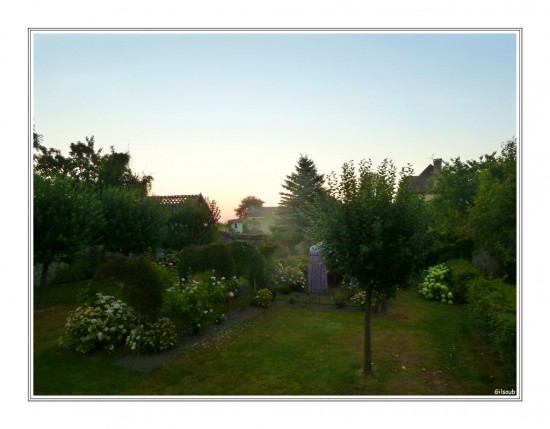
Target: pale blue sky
{"x": 228, "y": 114}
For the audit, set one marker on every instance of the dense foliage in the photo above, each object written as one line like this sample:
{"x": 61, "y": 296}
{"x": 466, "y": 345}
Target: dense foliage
{"x": 493, "y": 308}
{"x": 474, "y": 210}
{"x": 215, "y": 256}
{"x": 249, "y": 263}
{"x": 67, "y": 217}
{"x": 133, "y": 223}
{"x": 143, "y": 282}
{"x": 86, "y": 164}
{"x": 192, "y": 223}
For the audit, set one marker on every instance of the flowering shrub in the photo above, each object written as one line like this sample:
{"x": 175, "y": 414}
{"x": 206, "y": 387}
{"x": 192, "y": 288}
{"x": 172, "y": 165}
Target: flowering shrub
{"x": 152, "y": 337}
{"x": 289, "y": 275}
{"x": 359, "y": 298}
{"x": 435, "y": 285}
{"x": 106, "y": 322}
{"x": 198, "y": 300}
{"x": 263, "y": 298}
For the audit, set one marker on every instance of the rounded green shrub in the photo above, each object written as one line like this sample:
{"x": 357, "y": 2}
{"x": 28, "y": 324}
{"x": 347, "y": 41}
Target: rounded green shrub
{"x": 263, "y": 298}
{"x": 143, "y": 282}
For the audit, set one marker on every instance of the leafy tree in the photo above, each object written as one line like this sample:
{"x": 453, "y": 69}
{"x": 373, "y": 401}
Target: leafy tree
{"x": 248, "y": 203}
{"x": 492, "y": 217}
{"x": 371, "y": 227}
{"x": 67, "y": 217}
{"x": 300, "y": 187}
{"x": 455, "y": 189}
{"x": 48, "y": 162}
{"x": 474, "y": 208}
{"x": 133, "y": 223}
{"x": 115, "y": 172}
{"x": 192, "y": 223}
{"x": 86, "y": 164}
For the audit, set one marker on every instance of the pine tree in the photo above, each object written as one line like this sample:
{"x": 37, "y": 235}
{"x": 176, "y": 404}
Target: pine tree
{"x": 300, "y": 188}
{"x": 302, "y": 185}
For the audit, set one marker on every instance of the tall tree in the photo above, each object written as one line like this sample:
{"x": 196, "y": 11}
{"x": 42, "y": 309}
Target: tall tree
{"x": 246, "y": 204}
{"x": 371, "y": 226}
{"x": 193, "y": 222}
{"x": 87, "y": 164}
{"x": 134, "y": 223}
{"x": 67, "y": 217}
{"x": 300, "y": 187}
{"x": 492, "y": 217}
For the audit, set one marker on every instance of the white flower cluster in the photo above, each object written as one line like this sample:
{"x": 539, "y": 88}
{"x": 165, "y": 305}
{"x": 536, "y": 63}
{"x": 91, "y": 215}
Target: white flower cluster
{"x": 106, "y": 323}
{"x": 289, "y": 276}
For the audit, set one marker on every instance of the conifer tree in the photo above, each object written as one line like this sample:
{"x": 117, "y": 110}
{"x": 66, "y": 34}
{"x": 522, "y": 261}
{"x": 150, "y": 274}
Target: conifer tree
{"x": 300, "y": 188}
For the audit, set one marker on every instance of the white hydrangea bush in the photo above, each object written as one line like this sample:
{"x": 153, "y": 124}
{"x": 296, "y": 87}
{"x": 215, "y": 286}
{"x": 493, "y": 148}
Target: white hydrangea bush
{"x": 105, "y": 323}
{"x": 435, "y": 285}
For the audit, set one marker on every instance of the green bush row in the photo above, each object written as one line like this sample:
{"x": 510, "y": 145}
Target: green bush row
{"x": 236, "y": 259}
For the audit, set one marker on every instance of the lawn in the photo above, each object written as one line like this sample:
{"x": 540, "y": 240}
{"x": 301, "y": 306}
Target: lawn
{"x": 419, "y": 348}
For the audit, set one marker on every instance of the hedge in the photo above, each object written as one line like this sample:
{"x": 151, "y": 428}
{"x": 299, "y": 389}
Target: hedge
{"x": 215, "y": 256}
{"x": 493, "y": 309}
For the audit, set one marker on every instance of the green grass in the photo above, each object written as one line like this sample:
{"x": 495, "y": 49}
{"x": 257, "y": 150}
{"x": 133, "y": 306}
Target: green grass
{"x": 419, "y": 348}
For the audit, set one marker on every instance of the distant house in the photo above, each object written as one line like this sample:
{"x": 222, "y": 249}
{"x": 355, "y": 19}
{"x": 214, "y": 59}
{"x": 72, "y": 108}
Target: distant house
{"x": 237, "y": 225}
{"x": 422, "y": 184}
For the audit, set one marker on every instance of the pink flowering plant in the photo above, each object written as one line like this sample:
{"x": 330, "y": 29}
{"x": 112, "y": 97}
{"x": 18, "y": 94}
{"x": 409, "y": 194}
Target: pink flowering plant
{"x": 106, "y": 322}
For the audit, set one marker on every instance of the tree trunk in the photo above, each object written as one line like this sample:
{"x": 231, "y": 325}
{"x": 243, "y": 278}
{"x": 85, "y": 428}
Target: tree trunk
{"x": 43, "y": 279}
{"x": 367, "y": 369}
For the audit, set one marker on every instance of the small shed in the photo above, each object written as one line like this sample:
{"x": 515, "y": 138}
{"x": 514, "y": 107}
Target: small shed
{"x": 317, "y": 275}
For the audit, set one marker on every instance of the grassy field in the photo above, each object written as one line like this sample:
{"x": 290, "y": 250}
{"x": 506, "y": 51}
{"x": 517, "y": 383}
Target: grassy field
{"x": 419, "y": 348}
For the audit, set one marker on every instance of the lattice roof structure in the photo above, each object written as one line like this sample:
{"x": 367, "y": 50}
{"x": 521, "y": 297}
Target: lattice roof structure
{"x": 172, "y": 201}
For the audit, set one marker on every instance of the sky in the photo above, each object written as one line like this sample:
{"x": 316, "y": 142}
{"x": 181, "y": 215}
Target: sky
{"x": 228, "y": 114}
